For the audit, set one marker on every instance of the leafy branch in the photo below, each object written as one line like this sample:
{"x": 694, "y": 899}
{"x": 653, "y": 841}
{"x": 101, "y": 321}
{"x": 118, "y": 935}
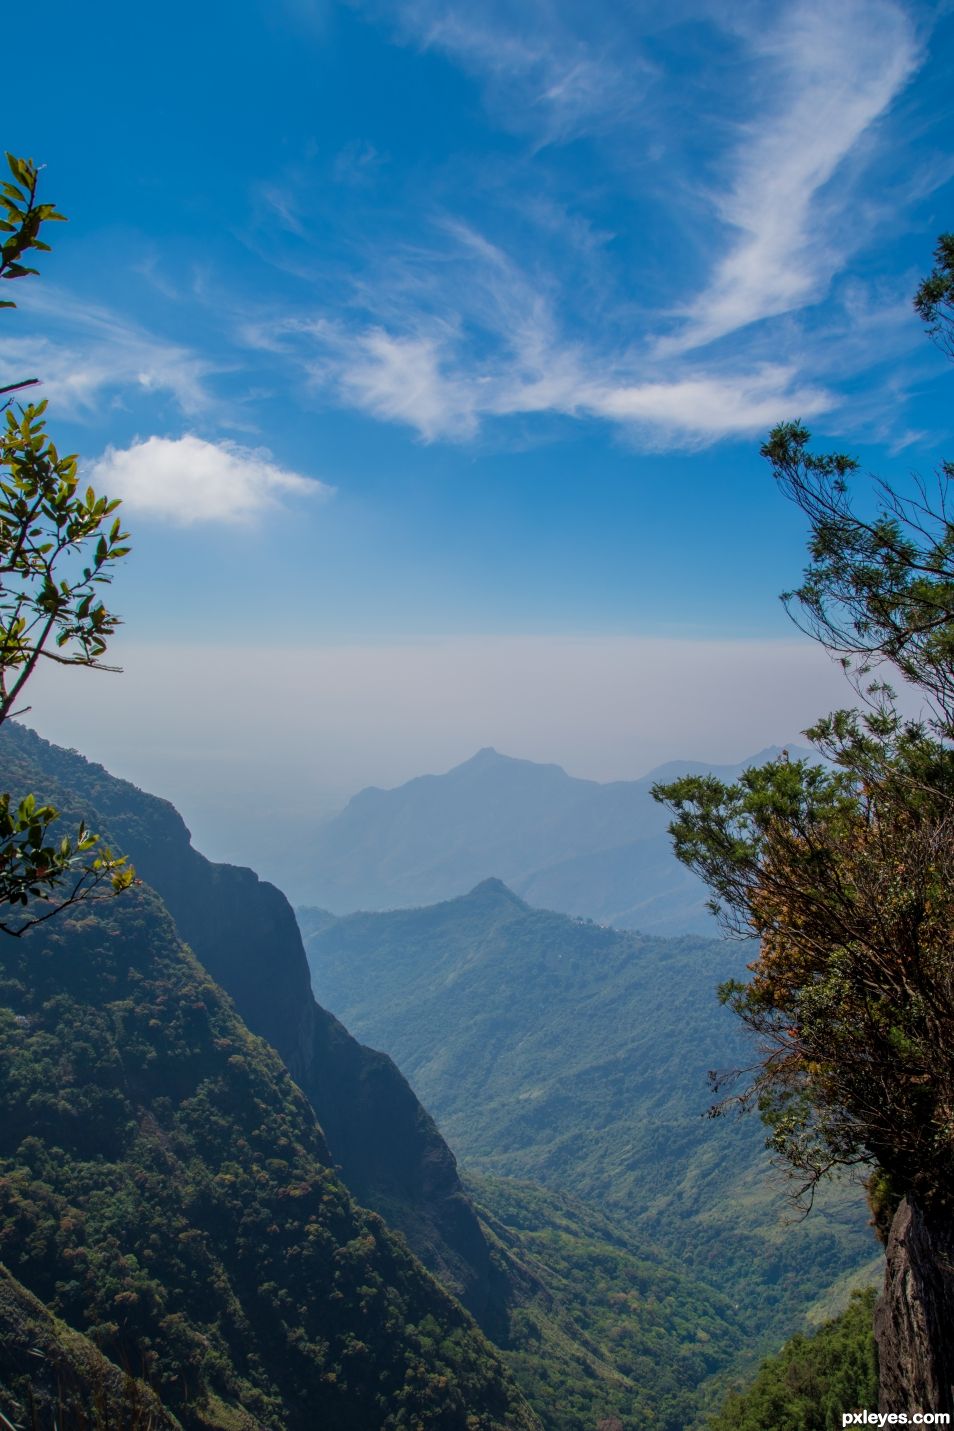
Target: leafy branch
{"x": 58, "y": 545}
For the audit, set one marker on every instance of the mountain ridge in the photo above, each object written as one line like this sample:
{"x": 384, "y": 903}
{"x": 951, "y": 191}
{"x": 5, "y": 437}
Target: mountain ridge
{"x": 552, "y": 1048}
{"x": 597, "y": 850}
{"x": 166, "y": 1190}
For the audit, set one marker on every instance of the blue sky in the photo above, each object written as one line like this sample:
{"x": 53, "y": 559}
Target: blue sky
{"x": 414, "y": 324}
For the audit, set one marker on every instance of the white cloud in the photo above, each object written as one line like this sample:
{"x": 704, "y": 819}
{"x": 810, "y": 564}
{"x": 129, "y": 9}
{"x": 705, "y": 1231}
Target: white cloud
{"x": 186, "y": 480}
{"x": 507, "y": 295}
{"x": 832, "y": 72}
{"x": 402, "y": 379}
{"x": 708, "y": 406}
{"x": 429, "y": 381}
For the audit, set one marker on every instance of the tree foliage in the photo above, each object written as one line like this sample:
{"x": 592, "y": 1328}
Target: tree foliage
{"x": 934, "y": 300}
{"x": 58, "y": 544}
{"x": 813, "y": 1381}
{"x": 845, "y": 870}
{"x": 846, "y": 876}
{"x": 879, "y": 587}
{"x": 24, "y": 218}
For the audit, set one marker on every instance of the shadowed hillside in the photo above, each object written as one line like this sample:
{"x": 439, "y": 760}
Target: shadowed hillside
{"x": 165, "y": 1190}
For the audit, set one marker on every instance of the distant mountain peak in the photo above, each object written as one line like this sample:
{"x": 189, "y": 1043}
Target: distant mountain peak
{"x": 489, "y": 757}
{"x": 583, "y": 847}
{"x": 486, "y": 755}
{"x": 496, "y": 889}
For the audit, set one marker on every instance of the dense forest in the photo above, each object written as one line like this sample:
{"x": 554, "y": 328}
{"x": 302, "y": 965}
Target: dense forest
{"x": 165, "y": 1190}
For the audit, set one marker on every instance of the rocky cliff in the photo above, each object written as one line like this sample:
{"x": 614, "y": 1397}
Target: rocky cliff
{"x": 914, "y": 1318}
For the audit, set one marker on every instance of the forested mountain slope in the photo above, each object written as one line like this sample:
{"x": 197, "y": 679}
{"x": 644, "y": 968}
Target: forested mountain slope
{"x": 577, "y": 846}
{"x": 603, "y": 1325}
{"x": 57, "y": 1377}
{"x": 553, "y": 1049}
{"x": 813, "y": 1381}
{"x": 243, "y": 930}
{"x": 165, "y": 1190}
{"x": 534, "y": 1288}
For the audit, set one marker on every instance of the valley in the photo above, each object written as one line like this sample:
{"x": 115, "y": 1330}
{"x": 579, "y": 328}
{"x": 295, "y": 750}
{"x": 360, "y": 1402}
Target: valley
{"x": 619, "y": 1251}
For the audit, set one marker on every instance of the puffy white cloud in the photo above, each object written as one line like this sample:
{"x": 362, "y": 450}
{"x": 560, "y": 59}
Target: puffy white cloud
{"x": 187, "y": 480}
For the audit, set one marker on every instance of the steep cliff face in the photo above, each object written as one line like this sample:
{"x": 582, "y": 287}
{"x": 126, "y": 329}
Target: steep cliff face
{"x": 914, "y": 1318}
{"x": 243, "y": 930}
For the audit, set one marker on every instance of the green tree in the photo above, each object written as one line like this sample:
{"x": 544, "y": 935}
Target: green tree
{"x": 844, "y": 871}
{"x": 58, "y": 544}
{"x": 812, "y": 1381}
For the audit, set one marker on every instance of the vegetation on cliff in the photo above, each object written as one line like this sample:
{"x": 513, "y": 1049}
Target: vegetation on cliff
{"x": 845, "y": 871}
{"x": 164, "y": 1189}
{"x": 602, "y": 1324}
{"x": 390, "y": 1153}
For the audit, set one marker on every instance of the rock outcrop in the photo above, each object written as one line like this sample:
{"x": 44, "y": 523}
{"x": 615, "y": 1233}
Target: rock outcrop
{"x": 914, "y": 1318}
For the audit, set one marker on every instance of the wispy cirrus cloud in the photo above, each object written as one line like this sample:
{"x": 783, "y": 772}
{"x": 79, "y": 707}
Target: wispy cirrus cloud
{"x": 187, "y": 480}
{"x": 549, "y": 71}
{"x": 521, "y": 298}
{"x": 401, "y": 378}
{"x": 429, "y": 382}
{"x": 518, "y": 289}
{"x": 97, "y": 354}
{"x": 444, "y": 347}
{"x": 831, "y": 73}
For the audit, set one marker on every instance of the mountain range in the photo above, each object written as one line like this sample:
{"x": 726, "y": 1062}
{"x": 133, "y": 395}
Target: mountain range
{"x": 577, "y": 846}
{"x": 554, "y": 1049}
